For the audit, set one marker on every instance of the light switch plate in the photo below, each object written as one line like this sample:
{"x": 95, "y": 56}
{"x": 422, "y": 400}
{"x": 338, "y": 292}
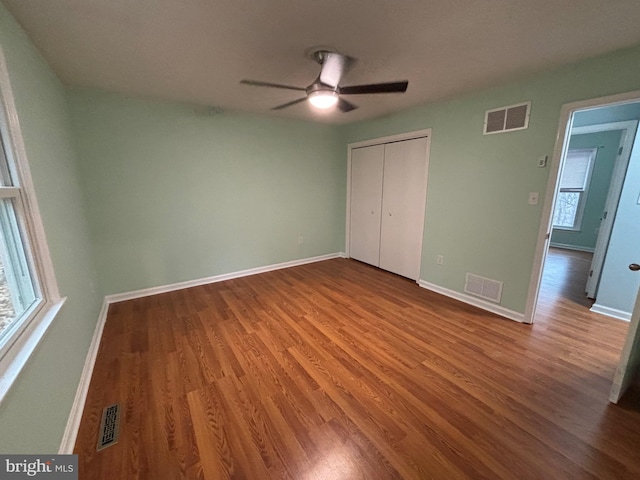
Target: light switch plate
{"x": 533, "y": 198}
{"x": 542, "y": 161}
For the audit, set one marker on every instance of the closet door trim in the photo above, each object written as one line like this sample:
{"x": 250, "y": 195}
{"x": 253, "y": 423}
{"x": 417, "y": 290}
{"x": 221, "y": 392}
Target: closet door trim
{"x": 377, "y": 141}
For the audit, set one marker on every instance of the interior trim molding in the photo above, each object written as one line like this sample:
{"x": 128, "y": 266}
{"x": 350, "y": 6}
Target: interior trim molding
{"x": 476, "y": 302}
{"x": 146, "y": 292}
{"x": 77, "y": 408}
{"x": 611, "y": 312}
{"x": 577, "y": 248}
{"x": 398, "y": 137}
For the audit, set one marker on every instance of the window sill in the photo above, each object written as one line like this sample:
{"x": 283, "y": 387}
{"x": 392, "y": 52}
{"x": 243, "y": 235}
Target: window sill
{"x": 18, "y": 355}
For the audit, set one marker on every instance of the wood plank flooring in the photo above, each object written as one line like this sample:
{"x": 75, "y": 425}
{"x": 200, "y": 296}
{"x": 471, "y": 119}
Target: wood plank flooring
{"x": 337, "y": 370}
{"x": 564, "y": 278}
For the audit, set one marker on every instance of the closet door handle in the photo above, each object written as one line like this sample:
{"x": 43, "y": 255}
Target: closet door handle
{"x": 634, "y": 267}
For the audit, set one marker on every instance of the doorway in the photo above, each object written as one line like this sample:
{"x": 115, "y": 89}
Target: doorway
{"x": 591, "y": 179}
{"x": 610, "y": 116}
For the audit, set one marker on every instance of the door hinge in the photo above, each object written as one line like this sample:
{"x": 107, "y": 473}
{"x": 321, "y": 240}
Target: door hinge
{"x": 620, "y": 151}
{"x": 591, "y": 273}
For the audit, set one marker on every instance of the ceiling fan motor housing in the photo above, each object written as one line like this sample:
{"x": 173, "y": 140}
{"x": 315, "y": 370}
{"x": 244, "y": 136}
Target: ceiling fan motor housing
{"x": 318, "y": 86}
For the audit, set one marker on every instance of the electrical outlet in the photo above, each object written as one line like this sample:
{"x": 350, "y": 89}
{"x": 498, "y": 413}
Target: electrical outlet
{"x": 300, "y": 240}
{"x": 440, "y": 260}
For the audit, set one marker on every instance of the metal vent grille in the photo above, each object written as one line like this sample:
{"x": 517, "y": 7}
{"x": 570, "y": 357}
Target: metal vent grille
{"x": 109, "y": 426}
{"x": 507, "y": 119}
{"x": 495, "y": 121}
{"x": 517, "y": 117}
{"x": 483, "y": 287}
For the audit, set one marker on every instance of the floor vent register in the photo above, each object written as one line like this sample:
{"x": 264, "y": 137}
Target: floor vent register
{"x": 109, "y": 426}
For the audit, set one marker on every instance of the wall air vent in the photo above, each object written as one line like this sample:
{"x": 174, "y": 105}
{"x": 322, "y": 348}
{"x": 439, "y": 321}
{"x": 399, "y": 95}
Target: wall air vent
{"x": 507, "y": 119}
{"x": 483, "y": 287}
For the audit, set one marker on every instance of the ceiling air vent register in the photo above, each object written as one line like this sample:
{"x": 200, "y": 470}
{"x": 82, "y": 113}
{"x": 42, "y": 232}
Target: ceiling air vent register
{"x": 507, "y": 119}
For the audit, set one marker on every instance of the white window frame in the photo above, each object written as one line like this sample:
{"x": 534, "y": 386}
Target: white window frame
{"x": 577, "y": 223}
{"x": 17, "y": 348}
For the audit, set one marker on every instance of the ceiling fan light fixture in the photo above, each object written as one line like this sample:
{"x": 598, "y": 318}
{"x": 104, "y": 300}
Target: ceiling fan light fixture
{"x": 323, "y": 98}
{"x": 326, "y": 91}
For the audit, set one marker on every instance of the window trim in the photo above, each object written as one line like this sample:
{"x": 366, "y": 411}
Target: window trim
{"x": 17, "y": 350}
{"x": 582, "y": 202}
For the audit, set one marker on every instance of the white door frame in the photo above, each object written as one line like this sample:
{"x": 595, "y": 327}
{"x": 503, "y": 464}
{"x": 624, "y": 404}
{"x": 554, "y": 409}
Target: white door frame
{"x": 561, "y": 146}
{"x": 378, "y": 141}
{"x": 613, "y": 194}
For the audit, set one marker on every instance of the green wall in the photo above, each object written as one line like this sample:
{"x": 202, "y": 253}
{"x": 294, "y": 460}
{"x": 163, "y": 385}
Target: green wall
{"x": 607, "y": 144}
{"x": 34, "y": 413}
{"x": 477, "y": 215}
{"x": 176, "y": 194}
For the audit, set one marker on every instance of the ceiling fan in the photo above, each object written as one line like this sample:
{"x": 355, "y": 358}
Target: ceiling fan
{"x": 326, "y": 91}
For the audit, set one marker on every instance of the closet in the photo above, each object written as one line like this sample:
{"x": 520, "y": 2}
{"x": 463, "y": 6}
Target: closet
{"x": 388, "y": 187}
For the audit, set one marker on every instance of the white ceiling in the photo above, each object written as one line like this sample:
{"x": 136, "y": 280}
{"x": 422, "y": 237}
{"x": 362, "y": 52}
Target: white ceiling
{"x": 198, "y": 50}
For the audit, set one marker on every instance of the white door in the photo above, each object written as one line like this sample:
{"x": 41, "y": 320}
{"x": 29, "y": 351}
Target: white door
{"x": 366, "y": 201}
{"x": 618, "y": 285}
{"x": 613, "y": 196}
{"x": 403, "y": 207}
{"x": 629, "y": 365}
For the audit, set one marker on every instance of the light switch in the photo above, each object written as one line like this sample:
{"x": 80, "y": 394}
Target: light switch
{"x": 542, "y": 161}
{"x": 533, "y": 198}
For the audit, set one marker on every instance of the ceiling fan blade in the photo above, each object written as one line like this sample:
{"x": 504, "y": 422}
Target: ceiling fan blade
{"x": 392, "y": 87}
{"x": 334, "y": 66}
{"x": 258, "y": 83}
{"x": 288, "y": 104}
{"x": 345, "y": 106}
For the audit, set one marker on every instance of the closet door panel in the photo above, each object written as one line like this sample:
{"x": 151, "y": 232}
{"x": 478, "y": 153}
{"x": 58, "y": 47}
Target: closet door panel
{"x": 403, "y": 207}
{"x": 366, "y": 201}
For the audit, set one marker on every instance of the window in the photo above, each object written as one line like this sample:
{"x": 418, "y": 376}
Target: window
{"x": 19, "y": 288}
{"x": 574, "y": 182}
{"x": 29, "y": 297}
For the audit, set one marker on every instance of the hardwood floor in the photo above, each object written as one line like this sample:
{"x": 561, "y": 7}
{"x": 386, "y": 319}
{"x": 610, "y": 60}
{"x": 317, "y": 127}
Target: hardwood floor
{"x": 337, "y": 370}
{"x": 565, "y": 277}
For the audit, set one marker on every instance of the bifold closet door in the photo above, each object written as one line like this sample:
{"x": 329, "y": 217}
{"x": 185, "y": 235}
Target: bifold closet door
{"x": 403, "y": 207}
{"x": 367, "y": 165}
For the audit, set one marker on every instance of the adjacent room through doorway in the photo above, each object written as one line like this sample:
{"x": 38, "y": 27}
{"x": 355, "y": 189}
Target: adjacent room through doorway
{"x": 589, "y": 234}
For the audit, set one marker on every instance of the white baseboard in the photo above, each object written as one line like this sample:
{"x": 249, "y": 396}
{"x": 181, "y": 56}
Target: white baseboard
{"x": 566, "y": 246}
{"x": 611, "y": 312}
{"x": 146, "y": 292}
{"x": 75, "y": 416}
{"x": 476, "y": 302}
{"x": 73, "y": 423}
